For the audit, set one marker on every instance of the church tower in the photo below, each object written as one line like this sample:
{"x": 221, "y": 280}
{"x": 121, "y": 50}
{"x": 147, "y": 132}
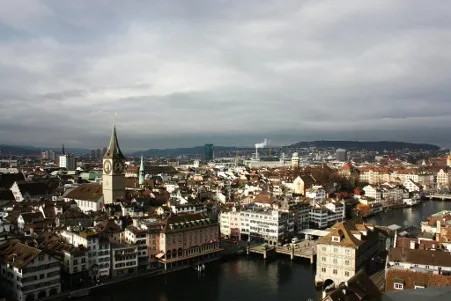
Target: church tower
{"x": 141, "y": 173}
{"x": 113, "y": 178}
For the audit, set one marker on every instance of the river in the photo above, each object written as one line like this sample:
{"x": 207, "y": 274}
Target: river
{"x": 248, "y": 278}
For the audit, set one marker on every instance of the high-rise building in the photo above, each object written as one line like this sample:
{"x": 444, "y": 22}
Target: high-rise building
{"x": 209, "y": 153}
{"x": 341, "y": 155}
{"x": 68, "y": 162}
{"x": 93, "y": 153}
{"x": 113, "y": 178}
{"x": 98, "y": 153}
{"x": 295, "y": 160}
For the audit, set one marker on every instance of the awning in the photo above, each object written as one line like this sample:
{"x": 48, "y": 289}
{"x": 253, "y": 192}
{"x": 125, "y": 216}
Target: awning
{"x": 159, "y": 255}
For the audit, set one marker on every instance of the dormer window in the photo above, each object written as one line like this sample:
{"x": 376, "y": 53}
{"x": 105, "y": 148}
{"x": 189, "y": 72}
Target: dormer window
{"x": 336, "y": 238}
{"x": 398, "y": 285}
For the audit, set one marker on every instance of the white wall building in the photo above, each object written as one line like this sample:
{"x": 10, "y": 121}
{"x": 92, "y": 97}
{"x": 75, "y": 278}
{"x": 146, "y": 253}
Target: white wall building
{"x": 344, "y": 251}
{"x": 68, "y": 161}
{"x": 316, "y": 193}
{"x": 271, "y": 226}
{"x": 98, "y": 249}
{"x": 28, "y": 273}
{"x": 230, "y": 223}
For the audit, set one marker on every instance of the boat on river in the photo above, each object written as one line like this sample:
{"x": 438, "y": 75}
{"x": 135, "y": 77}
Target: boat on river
{"x": 200, "y": 268}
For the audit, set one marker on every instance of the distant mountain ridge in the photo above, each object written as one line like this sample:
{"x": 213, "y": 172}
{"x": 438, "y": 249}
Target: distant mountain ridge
{"x": 348, "y": 145}
{"x": 196, "y": 150}
{"x": 32, "y": 150}
{"x": 199, "y": 150}
{"x": 367, "y": 145}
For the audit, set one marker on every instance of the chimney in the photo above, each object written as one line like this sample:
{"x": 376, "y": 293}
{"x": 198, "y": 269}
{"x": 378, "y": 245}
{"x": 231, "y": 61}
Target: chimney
{"x": 412, "y": 244}
{"x": 439, "y": 226}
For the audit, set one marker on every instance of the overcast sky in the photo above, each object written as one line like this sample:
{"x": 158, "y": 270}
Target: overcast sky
{"x": 188, "y": 72}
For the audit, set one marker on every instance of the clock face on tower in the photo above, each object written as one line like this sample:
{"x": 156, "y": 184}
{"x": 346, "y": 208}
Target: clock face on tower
{"x": 107, "y": 166}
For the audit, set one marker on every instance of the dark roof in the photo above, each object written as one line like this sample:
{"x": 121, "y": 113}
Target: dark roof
{"x": 33, "y": 188}
{"x": 113, "y": 150}
{"x": 7, "y": 180}
{"x": 17, "y": 254}
{"x": 436, "y": 293}
{"x": 6, "y": 195}
{"x": 308, "y": 179}
{"x": 177, "y": 222}
{"x": 421, "y": 257}
{"x": 163, "y": 169}
{"x": 91, "y": 192}
{"x": 108, "y": 226}
{"x": 359, "y": 287}
{"x": 75, "y": 213}
{"x": 29, "y": 217}
{"x": 410, "y": 279}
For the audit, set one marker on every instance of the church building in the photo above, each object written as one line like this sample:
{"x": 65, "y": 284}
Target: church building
{"x": 113, "y": 178}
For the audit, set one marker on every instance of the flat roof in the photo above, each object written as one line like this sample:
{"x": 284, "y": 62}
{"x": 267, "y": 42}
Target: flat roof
{"x": 315, "y": 232}
{"x": 394, "y": 227}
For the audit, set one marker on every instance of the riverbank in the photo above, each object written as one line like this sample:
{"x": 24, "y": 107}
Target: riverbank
{"x": 229, "y": 251}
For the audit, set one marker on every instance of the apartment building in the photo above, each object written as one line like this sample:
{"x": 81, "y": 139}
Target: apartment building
{"x": 28, "y": 273}
{"x": 138, "y": 236}
{"x": 230, "y": 223}
{"x": 411, "y": 268}
{"x": 316, "y": 193}
{"x": 328, "y": 213}
{"x": 443, "y": 178}
{"x": 187, "y": 239}
{"x": 74, "y": 260}
{"x": 345, "y": 251}
{"x": 98, "y": 248}
{"x": 374, "y": 192}
{"x": 124, "y": 259}
{"x": 266, "y": 225}
{"x": 374, "y": 175}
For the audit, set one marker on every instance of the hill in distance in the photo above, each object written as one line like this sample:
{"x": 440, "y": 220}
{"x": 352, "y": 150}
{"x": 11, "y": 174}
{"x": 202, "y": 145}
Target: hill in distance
{"x": 199, "y": 150}
{"x": 367, "y": 145}
{"x": 348, "y": 145}
{"x": 32, "y": 150}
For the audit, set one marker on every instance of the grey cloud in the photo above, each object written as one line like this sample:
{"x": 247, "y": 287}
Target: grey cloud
{"x": 177, "y": 73}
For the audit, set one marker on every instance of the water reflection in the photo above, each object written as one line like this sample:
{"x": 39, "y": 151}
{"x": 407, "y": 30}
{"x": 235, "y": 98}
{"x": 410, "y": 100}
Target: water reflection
{"x": 410, "y": 216}
{"x": 247, "y": 278}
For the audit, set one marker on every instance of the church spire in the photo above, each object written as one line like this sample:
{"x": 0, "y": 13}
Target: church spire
{"x": 114, "y": 151}
{"x": 141, "y": 172}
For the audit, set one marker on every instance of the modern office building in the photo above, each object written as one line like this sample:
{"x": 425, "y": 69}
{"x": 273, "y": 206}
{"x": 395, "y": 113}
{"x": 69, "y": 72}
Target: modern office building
{"x": 209, "y": 154}
{"x": 68, "y": 161}
{"x": 341, "y": 155}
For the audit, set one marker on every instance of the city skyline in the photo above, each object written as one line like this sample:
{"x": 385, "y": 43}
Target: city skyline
{"x": 171, "y": 74}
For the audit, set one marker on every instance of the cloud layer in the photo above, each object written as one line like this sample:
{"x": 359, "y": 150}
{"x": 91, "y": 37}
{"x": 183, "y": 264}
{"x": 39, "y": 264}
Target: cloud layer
{"x": 183, "y": 73}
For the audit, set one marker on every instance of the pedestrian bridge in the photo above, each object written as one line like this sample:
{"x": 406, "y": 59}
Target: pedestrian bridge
{"x": 440, "y": 196}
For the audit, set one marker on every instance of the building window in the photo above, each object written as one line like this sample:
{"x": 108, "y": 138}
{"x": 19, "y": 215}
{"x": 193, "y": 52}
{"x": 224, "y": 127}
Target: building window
{"x": 398, "y": 286}
{"x": 335, "y": 261}
{"x": 348, "y": 252}
{"x": 334, "y": 272}
{"x": 347, "y": 262}
{"x": 324, "y": 259}
{"x": 335, "y": 250}
{"x": 323, "y": 270}
{"x": 347, "y": 274}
